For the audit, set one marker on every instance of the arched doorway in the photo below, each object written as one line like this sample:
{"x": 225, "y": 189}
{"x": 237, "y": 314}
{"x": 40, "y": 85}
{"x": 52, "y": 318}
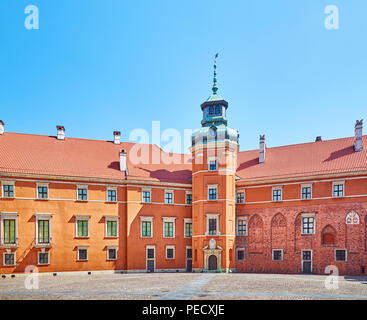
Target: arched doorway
{"x": 212, "y": 262}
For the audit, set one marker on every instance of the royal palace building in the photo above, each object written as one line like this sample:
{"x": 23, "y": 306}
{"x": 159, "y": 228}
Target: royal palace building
{"x": 70, "y": 204}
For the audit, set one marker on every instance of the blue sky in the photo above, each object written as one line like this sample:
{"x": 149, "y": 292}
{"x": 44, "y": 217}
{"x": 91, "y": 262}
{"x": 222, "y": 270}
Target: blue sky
{"x": 97, "y": 66}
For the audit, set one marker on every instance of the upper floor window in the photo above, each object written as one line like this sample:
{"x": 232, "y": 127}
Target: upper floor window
{"x": 188, "y": 198}
{"x": 306, "y": 191}
{"x": 211, "y": 110}
{"x": 146, "y": 197}
{"x": 242, "y": 226}
{"x": 277, "y": 194}
{"x": 111, "y": 194}
{"x": 240, "y": 197}
{"x": 188, "y": 228}
{"x": 308, "y": 225}
{"x": 82, "y": 226}
{"x": 111, "y": 226}
{"x": 8, "y": 189}
{"x": 42, "y": 191}
{"x": 212, "y": 165}
{"x": 168, "y": 197}
{"x": 9, "y": 227}
{"x": 212, "y": 192}
{"x": 82, "y": 193}
{"x": 338, "y": 189}
{"x": 169, "y": 227}
{"x": 146, "y": 227}
{"x": 212, "y": 224}
{"x": 43, "y": 231}
{"x": 218, "y": 110}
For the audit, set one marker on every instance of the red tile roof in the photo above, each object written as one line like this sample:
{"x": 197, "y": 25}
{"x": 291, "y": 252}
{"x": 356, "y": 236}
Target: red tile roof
{"x": 36, "y": 154}
{"x": 306, "y": 159}
{"x": 72, "y": 157}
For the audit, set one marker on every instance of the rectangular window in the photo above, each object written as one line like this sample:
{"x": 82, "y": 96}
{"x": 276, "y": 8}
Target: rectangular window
{"x": 146, "y": 196}
{"x": 306, "y": 193}
{"x": 212, "y": 193}
{"x": 111, "y": 195}
{"x": 43, "y": 231}
{"x": 82, "y": 228}
{"x": 188, "y": 198}
{"x": 168, "y": 197}
{"x": 111, "y": 254}
{"x": 82, "y": 254}
{"x": 9, "y": 259}
{"x": 212, "y": 226}
{"x": 42, "y": 192}
{"x": 240, "y": 198}
{"x": 277, "y": 194}
{"x": 277, "y": 255}
{"x": 306, "y": 255}
{"x": 168, "y": 229}
{"x": 146, "y": 228}
{"x": 150, "y": 253}
{"x": 82, "y": 194}
{"x": 240, "y": 254}
{"x": 218, "y": 109}
{"x": 111, "y": 228}
{"x": 213, "y": 165}
{"x": 170, "y": 252}
{"x": 338, "y": 190}
{"x": 9, "y": 231}
{"x": 241, "y": 227}
{"x": 188, "y": 229}
{"x": 308, "y": 225}
{"x": 340, "y": 255}
{"x": 43, "y": 258}
{"x": 8, "y": 190}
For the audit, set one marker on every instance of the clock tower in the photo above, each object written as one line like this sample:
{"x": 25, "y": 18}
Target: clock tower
{"x": 214, "y": 153}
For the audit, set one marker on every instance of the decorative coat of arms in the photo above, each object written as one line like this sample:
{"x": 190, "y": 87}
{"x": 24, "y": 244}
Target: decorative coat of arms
{"x": 212, "y": 244}
{"x": 352, "y": 218}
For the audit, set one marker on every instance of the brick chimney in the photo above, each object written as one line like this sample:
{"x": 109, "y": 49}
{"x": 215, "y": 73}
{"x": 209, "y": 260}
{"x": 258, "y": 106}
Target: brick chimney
{"x": 116, "y": 137}
{"x": 318, "y": 138}
{"x": 60, "y": 133}
{"x": 358, "y": 136}
{"x": 2, "y": 124}
{"x": 123, "y": 161}
{"x": 262, "y": 149}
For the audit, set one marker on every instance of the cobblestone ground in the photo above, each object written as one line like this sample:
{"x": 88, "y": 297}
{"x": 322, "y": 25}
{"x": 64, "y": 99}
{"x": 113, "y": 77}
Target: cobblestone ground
{"x": 183, "y": 286}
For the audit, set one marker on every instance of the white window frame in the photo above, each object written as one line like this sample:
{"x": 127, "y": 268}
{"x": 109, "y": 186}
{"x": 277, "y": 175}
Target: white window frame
{"x": 148, "y": 219}
{"x": 7, "y": 183}
{"x": 146, "y": 256}
{"x": 272, "y": 254}
{"x": 212, "y": 216}
{"x": 170, "y": 219}
{"x": 43, "y": 216}
{"x": 82, "y": 248}
{"x": 306, "y": 185}
{"x": 307, "y": 260}
{"x": 213, "y": 186}
{"x": 281, "y": 193}
{"x": 338, "y": 183}
{"x": 43, "y": 185}
{"x": 346, "y": 255}
{"x": 109, "y": 189}
{"x": 142, "y": 194}
{"x": 242, "y": 219}
{"x": 111, "y": 248}
{"x": 174, "y": 251}
{"x": 81, "y": 186}
{"x": 38, "y": 258}
{"x": 244, "y": 199}
{"x": 244, "y": 254}
{"x": 173, "y": 196}
{"x": 78, "y": 218}
{"x": 308, "y": 215}
{"x": 186, "y": 193}
{"x": 111, "y": 218}
{"x": 187, "y": 220}
{"x": 15, "y": 259}
{"x": 9, "y": 215}
{"x": 216, "y": 164}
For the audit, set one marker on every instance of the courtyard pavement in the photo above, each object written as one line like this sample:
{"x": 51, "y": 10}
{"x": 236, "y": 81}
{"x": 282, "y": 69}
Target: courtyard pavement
{"x": 184, "y": 286}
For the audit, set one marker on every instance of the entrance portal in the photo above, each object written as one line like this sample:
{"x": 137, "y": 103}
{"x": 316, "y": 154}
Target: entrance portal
{"x": 212, "y": 262}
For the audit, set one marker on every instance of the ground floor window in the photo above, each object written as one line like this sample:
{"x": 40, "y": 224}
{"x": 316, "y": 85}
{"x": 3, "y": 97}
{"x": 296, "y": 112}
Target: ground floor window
{"x": 170, "y": 252}
{"x": 111, "y": 253}
{"x": 340, "y": 255}
{"x": 277, "y": 255}
{"x": 9, "y": 259}
{"x": 43, "y": 257}
{"x": 240, "y": 254}
{"x": 82, "y": 254}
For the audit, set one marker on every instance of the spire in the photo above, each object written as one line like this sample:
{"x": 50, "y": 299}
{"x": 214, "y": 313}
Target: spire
{"x": 215, "y": 88}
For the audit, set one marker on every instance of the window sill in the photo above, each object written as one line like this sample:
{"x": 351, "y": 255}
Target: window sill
{"x": 107, "y": 201}
{"x": 42, "y": 199}
{"x": 81, "y": 237}
{"x": 111, "y": 237}
{"x": 43, "y": 245}
{"x": 142, "y": 237}
{"x": 307, "y": 234}
{"x": 9, "y": 245}
{"x": 82, "y": 260}
{"x": 78, "y": 200}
